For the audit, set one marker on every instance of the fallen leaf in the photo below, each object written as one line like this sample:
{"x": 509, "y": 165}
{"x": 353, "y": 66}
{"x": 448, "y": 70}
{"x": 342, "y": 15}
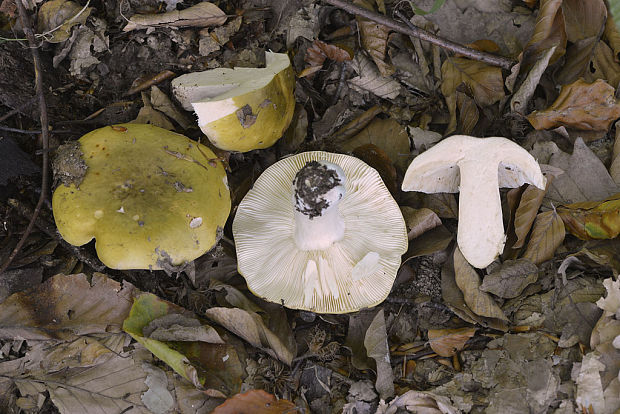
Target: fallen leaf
{"x": 547, "y": 235}
{"x": 592, "y": 219}
{"x": 444, "y": 204}
{"x": 177, "y": 327}
{"x": 468, "y": 281}
{"x": 419, "y": 221}
{"x": 484, "y": 81}
{"x": 422, "y": 402}
{"x": 584, "y": 24}
{"x": 468, "y": 113}
{"x": 157, "y": 398}
{"x": 255, "y": 402}
{"x": 150, "y": 115}
{"x": 250, "y": 327}
{"x": 376, "y": 344}
{"x": 234, "y": 296}
{"x": 585, "y": 177}
{"x": 162, "y": 103}
{"x": 512, "y": 277}
{"x": 56, "y": 18}
{"x": 78, "y": 390}
{"x": 213, "y": 367}
{"x": 386, "y": 134}
{"x": 200, "y": 15}
{"x": 432, "y": 241}
{"x": 423, "y": 139}
{"x": 448, "y": 342}
{"x": 374, "y": 38}
{"x": 358, "y": 326}
{"x": 530, "y": 202}
{"x": 318, "y": 52}
{"x": 64, "y": 306}
{"x": 614, "y": 169}
{"x": 549, "y": 32}
{"x": 371, "y": 80}
{"x": 380, "y": 161}
{"x": 611, "y": 27}
{"x": 522, "y": 96}
{"x": 605, "y": 65}
{"x": 581, "y": 105}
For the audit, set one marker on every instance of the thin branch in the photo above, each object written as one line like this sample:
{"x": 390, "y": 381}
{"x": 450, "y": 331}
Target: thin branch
{"x": 411, "y": 30}
{"x": 38, "y": 76}
{"x": 18, "y": 109}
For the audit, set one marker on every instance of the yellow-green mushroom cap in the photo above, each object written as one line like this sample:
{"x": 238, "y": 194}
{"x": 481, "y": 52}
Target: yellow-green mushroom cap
{"x": 150, "y": 197}
{"x": 241, "y": 109}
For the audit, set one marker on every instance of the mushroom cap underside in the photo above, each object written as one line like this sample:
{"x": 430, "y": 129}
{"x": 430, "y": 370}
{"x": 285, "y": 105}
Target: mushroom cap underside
{"x": 321, "y": 281}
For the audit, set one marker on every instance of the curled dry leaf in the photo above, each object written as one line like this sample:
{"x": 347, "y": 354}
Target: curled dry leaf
{"x": 485, "y": 83}
{"x": 374, "y": 38}
{"x": 468, "y": 281}
{"x": 419, "y": 221}
{"x": 614, "y": 169}
{"x": 547, "y": 235}
{"x": 447, "y": 342}
{"x": 581, "y": 105}
{"x": 548, "y": 32}
{"x": 432, "y": 241}
{"x": 530, "y": 202}
{"x": 250, "y": 326}
{"x": 592, "y": 219}
{"x": 318, "y": 52}
{"x": 255, "y": 402}
{"x": 371, "y": 80}
{"x": 201, "y": 15}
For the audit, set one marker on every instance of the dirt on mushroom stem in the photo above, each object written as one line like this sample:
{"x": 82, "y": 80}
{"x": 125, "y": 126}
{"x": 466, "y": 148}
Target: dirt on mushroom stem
{"x": 311, "y": 183}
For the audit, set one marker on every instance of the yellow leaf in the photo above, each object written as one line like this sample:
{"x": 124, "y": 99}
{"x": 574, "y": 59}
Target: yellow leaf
{"x": 593, "y": 219}
{"x": 547, "y": 235}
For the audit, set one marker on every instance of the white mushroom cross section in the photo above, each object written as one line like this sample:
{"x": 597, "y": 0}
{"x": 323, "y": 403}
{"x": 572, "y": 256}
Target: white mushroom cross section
{"x": 320, "y": 232}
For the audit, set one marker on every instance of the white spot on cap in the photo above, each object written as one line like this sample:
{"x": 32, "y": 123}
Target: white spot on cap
{"x": 225, "y": 358}
{"x": 98, "y": 214}
{"x": 366, "y": 267}
{"x": 121, "y": 210}
{"x": 195, "y": 222}
{"x": 136, "y": 217}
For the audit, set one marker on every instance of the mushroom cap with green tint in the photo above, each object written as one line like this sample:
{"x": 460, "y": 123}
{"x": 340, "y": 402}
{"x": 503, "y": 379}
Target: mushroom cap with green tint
{"x": 150, "y": 197}
{"x": 356, "y": 271}
{"x": 241, "y": 109}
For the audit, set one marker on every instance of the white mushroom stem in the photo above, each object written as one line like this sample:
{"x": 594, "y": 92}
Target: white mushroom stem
{"x": 480, "y": 229}
{"x": 320, "y": 229}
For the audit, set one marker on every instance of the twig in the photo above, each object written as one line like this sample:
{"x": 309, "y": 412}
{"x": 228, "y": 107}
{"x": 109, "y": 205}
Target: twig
{"x": 38, "y": 76}
{"x": 409, "y": 29}
{"x": 50, "y": 230}
{"x": 18, "y": 109}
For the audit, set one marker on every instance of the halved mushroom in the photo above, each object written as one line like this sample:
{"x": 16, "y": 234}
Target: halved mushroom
{"x": 321, "y": 232}
{"x": 477, "y": 168}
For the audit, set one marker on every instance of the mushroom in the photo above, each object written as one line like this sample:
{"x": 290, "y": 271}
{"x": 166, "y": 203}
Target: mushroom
{"x": 321, "y": 232}
{"x": 151, "y": 198}
{"x": 475, "y": 167}
{"x": 241, "y": 109}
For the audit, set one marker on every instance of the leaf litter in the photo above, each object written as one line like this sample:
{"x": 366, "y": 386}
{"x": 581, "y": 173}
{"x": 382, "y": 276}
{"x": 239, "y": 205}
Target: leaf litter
{"x": 537, "y": 331}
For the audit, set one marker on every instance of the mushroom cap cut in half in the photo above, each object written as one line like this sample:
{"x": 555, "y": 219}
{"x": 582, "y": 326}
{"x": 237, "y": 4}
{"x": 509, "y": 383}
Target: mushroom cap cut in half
{"x": 149, "y": 197}
{"x": 241, "y": 109}
{"x": 321, "y": 232}
{"x": 477, "y": 168}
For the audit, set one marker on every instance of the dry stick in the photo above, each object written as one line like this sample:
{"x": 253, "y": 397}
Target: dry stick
{"x": 18, "y": 109}
{"x": 414, "y": 31}
{"x": 38, "y": 76}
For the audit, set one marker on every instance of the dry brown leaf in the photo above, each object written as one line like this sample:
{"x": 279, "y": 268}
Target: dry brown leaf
{"x": 376, "y": 344}
{"x": 250, "y": 326}
{"x": 374, "y": 38}
{"x": 371, "y": 80}
{"x": 468, "y": 281}
{"x": 510, "y": 279}
{"x": 419, "y": 221}
{"x": 468, "y": 113}
{"x": 380, "y": 161}
{"x": 614, "y": 169}
{"x": 318, "y": 52}
{"x": 549, "y": 32}
{"x": 447, "y": 342}
{"x": 547, "y": 235}
{"x": 432, "y": 241}
{"x": 605, "y": 65}
{"x": 200, "y": 15}
{"x": 386, "y": 134}
{"x": 484, "y": 81}
{"x": 530, "y": 202}
{"x": 485, "y": 45}
{"x": 57, "y": 17}
{"x": 255, "y": 402}
{"x": 611, "y": 33}
{"x": 444, "y": 204}
{"x": 581, "y": 105}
